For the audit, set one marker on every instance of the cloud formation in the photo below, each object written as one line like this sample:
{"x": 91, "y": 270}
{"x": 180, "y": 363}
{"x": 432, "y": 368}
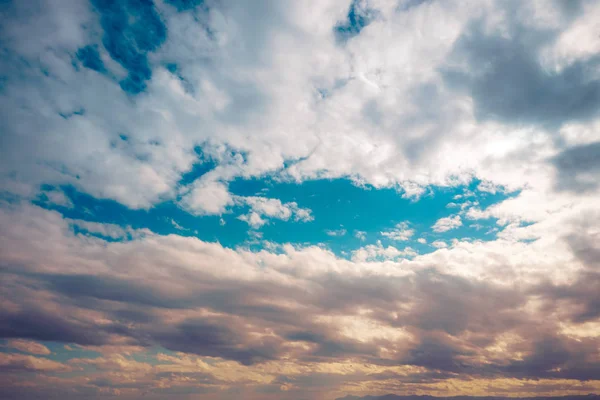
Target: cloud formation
{"x": 220, "y": 114}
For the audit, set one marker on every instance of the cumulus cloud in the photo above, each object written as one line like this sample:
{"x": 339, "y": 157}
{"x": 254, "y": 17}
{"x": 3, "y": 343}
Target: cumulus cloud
{"x": 401, "y": 232}
{"x": 136, "y": 149}
{"x": 207, "y": 197}
{"x": 379, "y": 252}
{"x": 262, "y": 209}
{"x": 447, "y": 223}
{"x": 207, "y": 305}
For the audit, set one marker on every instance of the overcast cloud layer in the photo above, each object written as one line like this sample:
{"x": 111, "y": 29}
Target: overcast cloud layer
{"x": 222, "y": 199}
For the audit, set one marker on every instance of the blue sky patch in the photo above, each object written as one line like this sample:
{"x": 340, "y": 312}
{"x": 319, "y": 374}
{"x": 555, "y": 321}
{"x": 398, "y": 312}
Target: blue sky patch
{"x": 185, "y": 5}
{"x": 90, "y": 58}
{"x": 345, "y": 217}
{"x": 359, "y": 16}
{"x": 132, "y": 28}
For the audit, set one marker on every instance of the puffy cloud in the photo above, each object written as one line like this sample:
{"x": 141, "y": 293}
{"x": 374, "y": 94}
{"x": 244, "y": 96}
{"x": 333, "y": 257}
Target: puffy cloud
{"x": 439, "y": 244}
{"x": 447, "y": 223}
{"x": 379, "y": 252}
{"x": 305, "y": 113}
{"x": 207, "y": 197}
{"x": 206, "y": 306}
{"x": 262, "y": 207}
{"x": 400, "y": 233}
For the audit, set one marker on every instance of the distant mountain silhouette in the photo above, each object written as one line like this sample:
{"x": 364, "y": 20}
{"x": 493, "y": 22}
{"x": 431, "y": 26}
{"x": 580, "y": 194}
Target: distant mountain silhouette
{"x": 415, "y": 397}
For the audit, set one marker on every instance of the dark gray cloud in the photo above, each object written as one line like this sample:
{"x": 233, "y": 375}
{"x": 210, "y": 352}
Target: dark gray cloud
{"x": 454, "y": 304}
{"x": 558, "y": 357}
{"x": 578, "y": 168}
{"x": 248, "y": 322}
{"x": 39, "y": 325}
{"x": 585, "y": 247}
{"x": 110, "y": 288}
{"x": 219, "y": 337}
{"x": 578, "y": 300}
{"x": 508, "y": 82}
{"x": 582, "y": 296}
{"x": 437, "y": 352}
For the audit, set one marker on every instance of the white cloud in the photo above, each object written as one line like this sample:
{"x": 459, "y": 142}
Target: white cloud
{"x": 177, "y": 226}
{"x": 263, "y": 208}
{"x": 401, "y": 232}
{"x": 336, "y": 232}
{"x": 58, "y": 197}
{"x": 378, "y": 252}
{"x": 207, "y": 197}
{"x": 111, "y": 231}
{"x": 262, "y": 101}
{"x": 361, "y": 235}
{"x": 489, "y": 187}
{"x": 447, "y": 223}
{"x": 439, "y": 244}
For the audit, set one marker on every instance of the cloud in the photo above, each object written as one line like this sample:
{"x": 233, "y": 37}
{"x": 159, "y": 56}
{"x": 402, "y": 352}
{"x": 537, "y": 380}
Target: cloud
{"x": 28, "y": 346}
{"x": 167, "y": 101}
{"x": 439, "y": 244}
{"x": 526, "y": 90}
{"x": 378, "y": 252}
{"x": 111, "y": 231}
{"x": 21, "y": 362}
{"x": 400, "y": 233}
{"x": 297, "y": 302}
{"x": 262, "y": 207}
{"x": 184, "y": 106}
{"x": 57, "y": 197}
{"x": 361, "y": 235}
{"x": 207, "y": 197}
{"x": 578, "y": 168}
{"x": 447, "y": 223}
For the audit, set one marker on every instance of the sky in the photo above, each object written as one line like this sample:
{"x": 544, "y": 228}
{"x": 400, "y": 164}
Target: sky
{"x": 299, "y": 199}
